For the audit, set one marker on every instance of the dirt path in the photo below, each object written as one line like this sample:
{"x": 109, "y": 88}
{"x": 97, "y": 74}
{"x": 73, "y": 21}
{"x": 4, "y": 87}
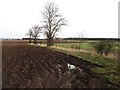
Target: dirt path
{"x": 35, "y": 67}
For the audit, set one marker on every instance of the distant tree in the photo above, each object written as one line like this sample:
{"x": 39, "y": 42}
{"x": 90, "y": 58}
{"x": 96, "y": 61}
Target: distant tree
{"x": 30, "y": 35}
{"x": 99, "y": 47}
{"x": 80, "y": 36}
{"x": 52, "y": 21}
{"x": 36, "y": 30}
{"x": 103, "y": 47}
{"x": 109, "y": 46}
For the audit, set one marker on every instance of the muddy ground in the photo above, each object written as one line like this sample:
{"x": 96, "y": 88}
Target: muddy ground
{"x": 26, "y": 66}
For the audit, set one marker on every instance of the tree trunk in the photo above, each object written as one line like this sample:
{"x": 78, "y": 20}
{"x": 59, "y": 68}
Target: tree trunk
{"x": 98, "y": 52}
{"x": 50, "y": 42}
{"x": 30, "y": 40}
{"x": 79, "y": 45}
{"x": 106, "y": 53}
{"x": 101, "y": 52}
{"x": 35, "y": 41}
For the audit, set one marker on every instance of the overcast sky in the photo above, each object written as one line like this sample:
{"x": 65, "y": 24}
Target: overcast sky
{"x": 94, "y": 18}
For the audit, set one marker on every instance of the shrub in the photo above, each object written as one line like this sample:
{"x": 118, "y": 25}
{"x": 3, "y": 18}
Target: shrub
{"x": 103, "y": 47}
{"x": 108, "y": 47}
{"x": 99, "y": 46}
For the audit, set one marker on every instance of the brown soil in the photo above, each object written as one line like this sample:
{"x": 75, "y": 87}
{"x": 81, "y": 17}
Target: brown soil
{"x": 26, "y": 66}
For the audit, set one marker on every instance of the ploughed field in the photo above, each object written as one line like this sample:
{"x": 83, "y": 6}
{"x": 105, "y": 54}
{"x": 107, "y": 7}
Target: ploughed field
{"x": 25, "y": 66}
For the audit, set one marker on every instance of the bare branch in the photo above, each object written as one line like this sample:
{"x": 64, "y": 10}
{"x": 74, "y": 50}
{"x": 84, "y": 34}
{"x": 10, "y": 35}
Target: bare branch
{"x": 52, "y": 20}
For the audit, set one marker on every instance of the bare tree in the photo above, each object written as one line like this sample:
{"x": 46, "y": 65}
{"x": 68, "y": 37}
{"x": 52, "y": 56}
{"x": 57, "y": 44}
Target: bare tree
{"x": 52, "y": 21}
{"x": 30, "y": 35}
{"x": 80, "y": 36}
{"x": 36, "y": 30}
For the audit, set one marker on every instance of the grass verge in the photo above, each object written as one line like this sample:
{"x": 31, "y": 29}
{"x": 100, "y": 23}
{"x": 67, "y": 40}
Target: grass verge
{"x": 110, "y": 70}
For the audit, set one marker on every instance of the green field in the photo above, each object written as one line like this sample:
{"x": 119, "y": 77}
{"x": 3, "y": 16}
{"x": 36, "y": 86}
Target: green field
{"x": 85, "y": 46}
{"x": 75, "y": 45}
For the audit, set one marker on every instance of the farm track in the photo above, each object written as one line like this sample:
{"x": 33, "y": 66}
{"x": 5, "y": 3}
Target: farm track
{"x": 26, "y": 66}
